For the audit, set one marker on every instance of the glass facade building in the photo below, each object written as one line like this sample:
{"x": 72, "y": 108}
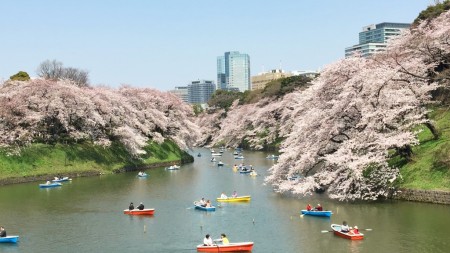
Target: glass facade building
{"x": 374, "y": 38}
{"x": 233, "y": 71}
{"x": 199, "y": 92}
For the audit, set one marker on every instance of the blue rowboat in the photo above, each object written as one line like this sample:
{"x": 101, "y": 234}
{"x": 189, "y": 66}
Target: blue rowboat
{"x": 317, "y": 213}
{"x": 49, "y": 185}
{"x": 9, "y": 239}
{"x": 208, "y": 209}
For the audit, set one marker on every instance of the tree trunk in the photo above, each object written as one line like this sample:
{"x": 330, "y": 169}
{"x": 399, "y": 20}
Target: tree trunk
{"x": 433, "y": 130}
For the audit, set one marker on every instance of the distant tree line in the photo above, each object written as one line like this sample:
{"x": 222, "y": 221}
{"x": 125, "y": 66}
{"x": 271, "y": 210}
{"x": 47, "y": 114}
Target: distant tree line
{"x": 54, "y": 70}
{"x": 223, "y": 99}
{"x": 432, "y": 11}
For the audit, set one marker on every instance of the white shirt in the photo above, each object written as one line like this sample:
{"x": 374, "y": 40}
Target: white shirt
{"x": 345, "y": 228}
{"x": 223, "y": 196}
{"x": 208, "y": 241}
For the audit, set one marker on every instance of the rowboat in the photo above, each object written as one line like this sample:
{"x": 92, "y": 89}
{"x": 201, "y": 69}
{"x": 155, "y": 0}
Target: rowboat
{"x": 143, "y": 174}
{"x": 9, "y": 239}
{"x": 203, "y": 208}
{"x": 235, "y": 199}
{"x": 64, "y": 179}
{"x": 317, "y": 213}
{"x": 245, "y": 171}
{"x": 239, "y": 157}
{"x": 273, "y": 157}
{"x": 220, "y": 164}
{"x": 173, "y": 167}
{"x": 49, "y": 185}
{"x": 349, "y": 235}
{"x": 149, "y": 211}
{"x": 232, "y": 247}
{"x": 216, "y": 154}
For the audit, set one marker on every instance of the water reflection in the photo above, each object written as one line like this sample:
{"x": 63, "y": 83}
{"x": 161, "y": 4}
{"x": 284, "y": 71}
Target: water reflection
{"x": 87, "y": 214}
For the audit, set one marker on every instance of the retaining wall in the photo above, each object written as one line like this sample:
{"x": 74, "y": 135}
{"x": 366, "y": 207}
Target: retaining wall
{"x": 437, "y": 197}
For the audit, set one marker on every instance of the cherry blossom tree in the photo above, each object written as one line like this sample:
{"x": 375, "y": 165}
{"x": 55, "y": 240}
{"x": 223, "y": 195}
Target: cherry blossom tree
{"x": 56, "y": 111}
{"x": 340, "y": 132}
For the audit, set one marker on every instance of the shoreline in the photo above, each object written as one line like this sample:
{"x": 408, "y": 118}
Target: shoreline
{"x": 75, "y": 174}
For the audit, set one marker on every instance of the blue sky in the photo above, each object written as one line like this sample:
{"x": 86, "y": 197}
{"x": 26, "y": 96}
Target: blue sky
{"x": 166, "y": 43}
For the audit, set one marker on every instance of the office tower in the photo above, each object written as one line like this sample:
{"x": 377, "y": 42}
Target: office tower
{"x": 374, "y": 38}
{"x": 199, "y": 92}
{"x": 233, "y": 71}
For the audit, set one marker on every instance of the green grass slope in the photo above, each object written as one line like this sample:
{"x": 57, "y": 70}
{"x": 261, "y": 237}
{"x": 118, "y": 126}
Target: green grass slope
{"x": 40, "y": 159}
{"x": 429, "y": 166}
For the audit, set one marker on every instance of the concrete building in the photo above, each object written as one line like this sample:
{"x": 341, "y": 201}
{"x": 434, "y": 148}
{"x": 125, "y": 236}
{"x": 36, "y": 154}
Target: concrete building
{"x": 307, "y": 73}
{"x": 374, "y": 38}
{"x": 182, "y": 93}
{"x": 233, "y": 71}
{"x": 259, "y": 81}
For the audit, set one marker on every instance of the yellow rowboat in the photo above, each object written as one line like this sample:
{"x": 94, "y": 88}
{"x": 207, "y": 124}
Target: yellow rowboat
{"x": 235, "y": 199}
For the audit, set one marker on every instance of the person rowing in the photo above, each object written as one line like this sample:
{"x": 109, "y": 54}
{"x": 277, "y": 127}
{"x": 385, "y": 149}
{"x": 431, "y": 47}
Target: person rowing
{"x": 202, "y": 202}
{"x": 345, "y": 228}
{"x": 223, "y": 196}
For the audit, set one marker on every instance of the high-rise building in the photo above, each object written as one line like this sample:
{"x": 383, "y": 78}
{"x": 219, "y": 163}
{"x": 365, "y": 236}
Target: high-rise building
{"x": 233, "y": 71}
{"x": 199, "y": 92}
{"x": 374, "y": 38}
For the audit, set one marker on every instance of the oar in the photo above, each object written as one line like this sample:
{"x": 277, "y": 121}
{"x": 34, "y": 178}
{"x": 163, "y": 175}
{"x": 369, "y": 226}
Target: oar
{"x": 326, "y": 231}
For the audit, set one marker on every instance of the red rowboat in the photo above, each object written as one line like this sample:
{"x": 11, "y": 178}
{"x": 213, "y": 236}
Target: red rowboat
{"x": 237, "y": 246}
{"x": 149, "y": 211}
{"x": 349, "y": 235}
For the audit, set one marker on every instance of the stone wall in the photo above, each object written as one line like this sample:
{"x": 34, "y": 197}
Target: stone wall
{"x": 437, "y": 197}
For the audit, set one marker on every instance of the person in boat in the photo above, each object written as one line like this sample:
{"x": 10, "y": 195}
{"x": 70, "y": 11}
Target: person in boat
{"x": 141, "y": 206}
{"x": 2, "y": 232}
{"x": 56, "y": 178}
{"x": 48, "y": 182}
{"x": 355, "y": 230}
{"x": 131, "y": 206}
{"x": 207, "y": 241}
{"x": 344, "y": 227}
{"x": 308, "y": 207}
{"x": 234, "y": 194}
{"x": 208, "y": 203}
{"x": 224, "y": 239}
{"x": 223, "y": 196}
{"x": 318, "y": 208}
{"x": 202, "y": 202}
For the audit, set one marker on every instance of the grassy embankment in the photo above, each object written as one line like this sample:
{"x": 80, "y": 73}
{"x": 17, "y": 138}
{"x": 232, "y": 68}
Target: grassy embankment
{"x": 429, "y": 168}
{"x": 40, "y": 160}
